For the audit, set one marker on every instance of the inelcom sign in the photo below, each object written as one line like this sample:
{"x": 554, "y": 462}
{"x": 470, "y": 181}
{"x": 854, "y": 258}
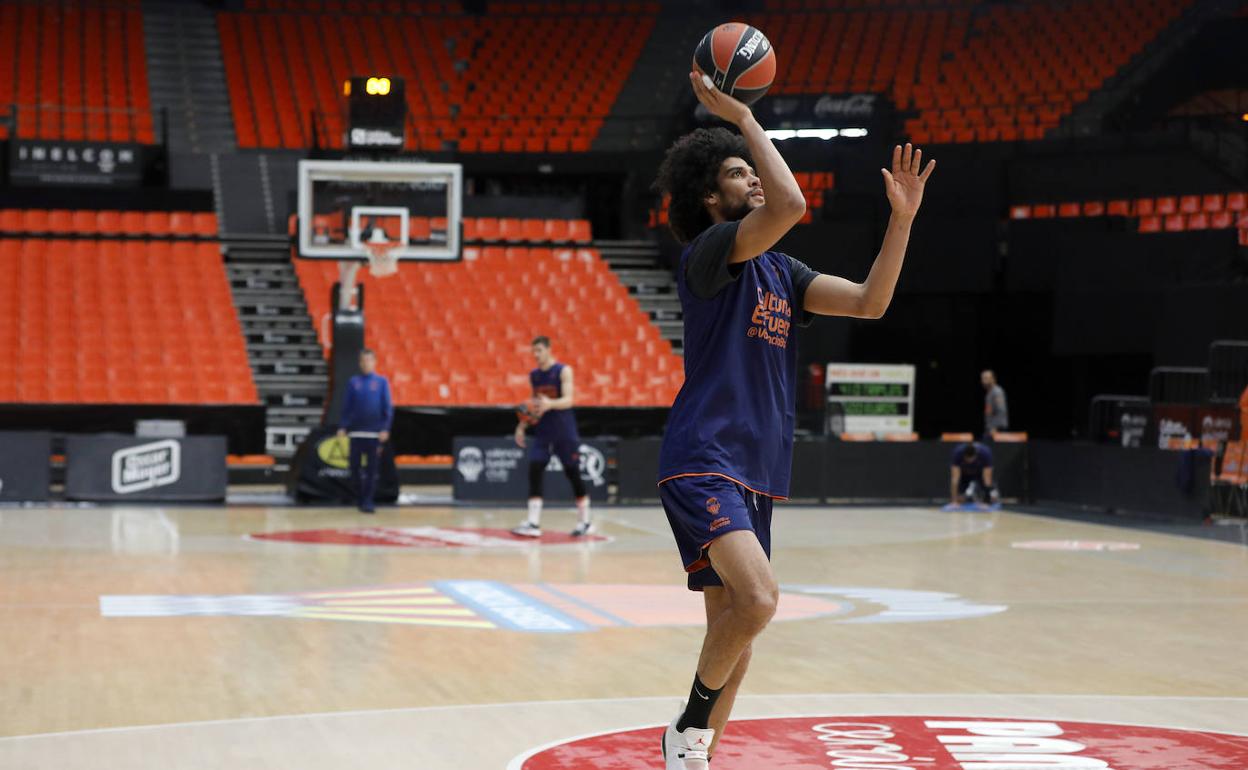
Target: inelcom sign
{"x": 146, "y": 466}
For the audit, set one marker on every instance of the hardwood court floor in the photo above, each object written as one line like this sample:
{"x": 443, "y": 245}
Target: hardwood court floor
{"x": 147, "y": 637}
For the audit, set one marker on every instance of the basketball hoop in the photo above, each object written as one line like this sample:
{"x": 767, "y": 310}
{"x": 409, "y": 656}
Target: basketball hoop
{"x": 382, "y": 259}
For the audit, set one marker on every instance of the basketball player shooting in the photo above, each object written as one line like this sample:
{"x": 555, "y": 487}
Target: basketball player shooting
{"x": 727, "y": 450}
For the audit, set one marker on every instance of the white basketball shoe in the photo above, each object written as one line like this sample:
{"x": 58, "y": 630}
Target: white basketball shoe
{"x": 687, "y": 750}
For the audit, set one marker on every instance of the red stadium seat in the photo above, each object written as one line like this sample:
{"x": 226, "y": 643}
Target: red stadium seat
{"x": 1175, "y": 223}
{"x": 1237, "y": 201}
{"x": 205, "y": 224}
{"x": 1118, "y": 208}
{"x": 35, "y": 221}
{"x": 579, "y": 231}
{"x": 488, "y": 229}
{"x": 1150, "y": 224}
{"x": 85, "y": 222}
{"x": 1020, "y": 212}
{"x": 60, "y": 222}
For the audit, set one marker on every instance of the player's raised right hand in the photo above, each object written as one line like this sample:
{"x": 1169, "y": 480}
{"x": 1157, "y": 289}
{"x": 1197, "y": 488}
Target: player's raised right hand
{"x": 719, "y": 103}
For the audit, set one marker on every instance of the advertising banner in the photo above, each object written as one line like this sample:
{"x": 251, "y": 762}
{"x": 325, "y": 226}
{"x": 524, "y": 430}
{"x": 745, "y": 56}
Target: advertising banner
{"x": 494, "y": 468}
{"x": 115, "y": 467}
{"x": 321, "y": 470}
{"x": 25, "y": 459}
{"x": 94, "y": 164}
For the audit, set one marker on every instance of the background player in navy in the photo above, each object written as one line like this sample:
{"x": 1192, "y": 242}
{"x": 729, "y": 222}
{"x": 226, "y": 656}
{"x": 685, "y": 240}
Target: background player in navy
{"x": 727, "y": 450}
{"x": 553, "y": 433}
{"x": 970, "y": 475}
{"x": 367, "y": 412}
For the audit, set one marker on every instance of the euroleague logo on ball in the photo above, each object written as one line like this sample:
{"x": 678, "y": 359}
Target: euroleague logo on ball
{"x": 739, "y": 59}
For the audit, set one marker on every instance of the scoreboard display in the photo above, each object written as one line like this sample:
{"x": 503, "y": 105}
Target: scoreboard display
{"x": 376, "y": 112}
{"x": 875, "y": 398}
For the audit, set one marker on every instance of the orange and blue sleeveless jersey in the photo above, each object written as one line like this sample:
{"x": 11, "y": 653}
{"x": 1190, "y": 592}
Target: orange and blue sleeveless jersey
{"x": 735, "y": 414}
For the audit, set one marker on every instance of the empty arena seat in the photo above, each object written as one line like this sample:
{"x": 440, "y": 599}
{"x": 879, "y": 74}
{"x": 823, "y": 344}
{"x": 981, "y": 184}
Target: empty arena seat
{"x": 598, "y": 328}
{"x": 1190, "y": 212}
{"x": 970, "y": 72}
{"x": 77, "y": 71}
{"x": 135, "y": 321}
{"x": 92, "y": 223}
{"x": 466, "y": 94}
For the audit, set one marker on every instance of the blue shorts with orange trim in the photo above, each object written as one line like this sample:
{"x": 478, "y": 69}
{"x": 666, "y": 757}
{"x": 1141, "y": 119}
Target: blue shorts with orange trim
{"x": 702, "y": 508}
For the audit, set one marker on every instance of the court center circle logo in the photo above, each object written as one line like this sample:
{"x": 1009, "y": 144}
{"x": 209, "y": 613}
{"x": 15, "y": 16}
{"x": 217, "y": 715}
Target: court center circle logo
{"x": 915, "y": 743}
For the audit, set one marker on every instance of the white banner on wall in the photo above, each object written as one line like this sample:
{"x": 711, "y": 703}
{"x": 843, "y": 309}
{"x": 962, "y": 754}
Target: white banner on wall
{"x": 875, "y": 398}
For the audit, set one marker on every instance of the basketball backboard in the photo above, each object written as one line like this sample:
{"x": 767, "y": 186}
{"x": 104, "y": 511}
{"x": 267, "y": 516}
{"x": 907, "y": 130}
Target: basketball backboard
{"x": 344, "y": 205}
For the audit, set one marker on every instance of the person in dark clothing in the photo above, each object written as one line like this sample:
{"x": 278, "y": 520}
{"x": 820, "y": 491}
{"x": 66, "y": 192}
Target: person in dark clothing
{"x": 554, "y": 433}
{"x": 367, "y": 412}
{"x": 970, "y": 476}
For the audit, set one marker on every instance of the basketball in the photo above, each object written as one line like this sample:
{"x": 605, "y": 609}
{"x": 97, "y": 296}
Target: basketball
{"x": 739, "y": 59}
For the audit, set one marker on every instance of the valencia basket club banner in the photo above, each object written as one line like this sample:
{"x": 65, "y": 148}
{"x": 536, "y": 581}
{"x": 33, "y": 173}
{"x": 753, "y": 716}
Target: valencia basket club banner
{"x": 24, "y": 466}
{"x": 115, "y": 467}
{"x": 321, "y": 471}
{"x": 494, "y": 468}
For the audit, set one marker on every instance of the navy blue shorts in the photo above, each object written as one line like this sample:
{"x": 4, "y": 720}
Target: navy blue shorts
{"x": 566, "y": 449}
{"x": 702, "y": 508}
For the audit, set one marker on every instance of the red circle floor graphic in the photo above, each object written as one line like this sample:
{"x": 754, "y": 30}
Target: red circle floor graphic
{"x": 913, "y": 743}
{"x": 423, "y": 537}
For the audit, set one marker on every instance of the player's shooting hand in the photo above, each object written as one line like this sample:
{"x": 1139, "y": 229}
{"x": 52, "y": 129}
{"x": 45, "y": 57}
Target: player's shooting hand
{"x": 541, "y": 406}
{"x": 904, "y": 184}
{"x": 520, "y": 436}
{"x": 719, "y": 103}
{"x": 383, "y": 437}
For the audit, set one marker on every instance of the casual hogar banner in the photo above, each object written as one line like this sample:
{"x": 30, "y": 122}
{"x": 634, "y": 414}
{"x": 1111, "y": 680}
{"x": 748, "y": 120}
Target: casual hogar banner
{"x": 25, "y": 466}
{"x": 116, "y": 467}
{"x": 494, "y": 468}
{"x": 52, "y": 162}
{"x": 321, "y": 471}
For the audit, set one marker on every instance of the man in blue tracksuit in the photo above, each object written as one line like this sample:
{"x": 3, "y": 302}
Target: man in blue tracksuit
{"x": 366, "y": 415}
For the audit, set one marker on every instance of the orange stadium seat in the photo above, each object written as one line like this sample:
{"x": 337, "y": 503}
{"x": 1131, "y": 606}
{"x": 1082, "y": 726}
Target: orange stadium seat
{"x": 496, "y": 107}
{"x": 138, "y": 321}
{"x": 993, "y": 72}
{"x": 93, "y": 88}
{"x": 624, "y": 364}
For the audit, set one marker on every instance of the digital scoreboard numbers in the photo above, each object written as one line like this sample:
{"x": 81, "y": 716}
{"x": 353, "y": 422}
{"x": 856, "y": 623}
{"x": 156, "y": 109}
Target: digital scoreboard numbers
{"x": 874, "y": 398}
{"x": 376, "y": 112}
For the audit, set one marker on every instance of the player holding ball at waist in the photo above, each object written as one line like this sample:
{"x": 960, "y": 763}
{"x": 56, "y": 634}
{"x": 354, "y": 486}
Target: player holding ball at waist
{"x": 554, "y": 433}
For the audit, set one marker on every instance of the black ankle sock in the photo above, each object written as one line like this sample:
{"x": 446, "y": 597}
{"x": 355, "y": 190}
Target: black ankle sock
{"x": 701, "y": 701}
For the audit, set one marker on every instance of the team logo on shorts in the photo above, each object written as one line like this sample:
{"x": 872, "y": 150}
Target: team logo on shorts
{"x": 722, "y": 521}
{"x": 712, "y": 504}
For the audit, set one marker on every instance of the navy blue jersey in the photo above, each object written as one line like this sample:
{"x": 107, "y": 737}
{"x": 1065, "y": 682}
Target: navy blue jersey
{"x": 974, "y": 466}
{"x": 367, "y": 407}
{"x": 734, "y": 415}
{"x": 557, "y": 423}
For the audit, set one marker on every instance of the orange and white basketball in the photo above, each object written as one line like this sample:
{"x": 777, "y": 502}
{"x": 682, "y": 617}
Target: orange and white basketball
{"x": 739, "y": 59}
